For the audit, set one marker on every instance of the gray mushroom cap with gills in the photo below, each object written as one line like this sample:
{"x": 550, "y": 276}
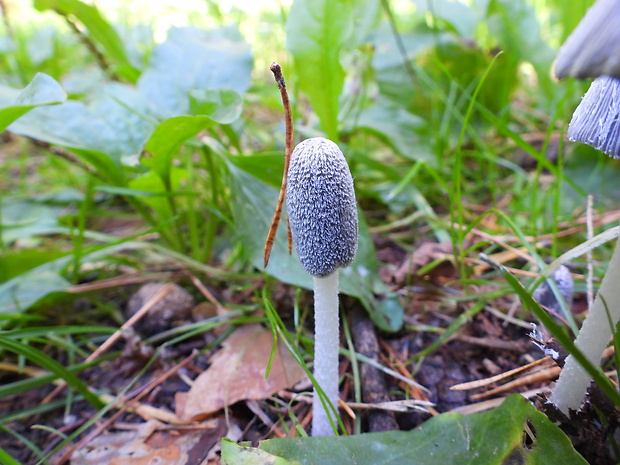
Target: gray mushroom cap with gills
{"x": 320, "y": 201}
{"x": 596, "y": 121}
{"x": 593, "y": 48}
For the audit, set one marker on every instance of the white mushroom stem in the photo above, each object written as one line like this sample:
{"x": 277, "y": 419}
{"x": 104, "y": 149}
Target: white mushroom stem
{"x": 593, "y": 337}
{"x": 326, "y": 337}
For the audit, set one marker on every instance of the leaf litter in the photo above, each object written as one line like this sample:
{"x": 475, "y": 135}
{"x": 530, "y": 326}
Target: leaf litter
{"x": 224, "y": 392}
{"x": 237, "y": 372}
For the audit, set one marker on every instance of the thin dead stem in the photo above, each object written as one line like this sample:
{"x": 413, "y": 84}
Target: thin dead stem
{"x": 103, "y": 348}
{"x": 277, "y": 74}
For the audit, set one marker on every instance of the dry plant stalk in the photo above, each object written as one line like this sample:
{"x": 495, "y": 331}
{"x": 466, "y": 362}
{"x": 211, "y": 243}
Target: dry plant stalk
{"x": 103, "y": 348}
{"x": 273, "y": 228}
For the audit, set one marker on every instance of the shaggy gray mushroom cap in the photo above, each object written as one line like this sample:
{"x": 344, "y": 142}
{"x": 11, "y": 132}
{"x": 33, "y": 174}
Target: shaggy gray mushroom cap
{"x": 321, "y": 207}
{"x": 596, "y": 120}
{"x": 593, "y": 48}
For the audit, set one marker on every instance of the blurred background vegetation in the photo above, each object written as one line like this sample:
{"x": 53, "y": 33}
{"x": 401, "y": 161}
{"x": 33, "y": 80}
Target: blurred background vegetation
{"x": 440, "y": 106}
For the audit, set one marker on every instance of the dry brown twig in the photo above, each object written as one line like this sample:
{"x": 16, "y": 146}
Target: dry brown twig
{"x": 277, "y": 73}
{"x": 103, "y": 348}
{"x": 126, "y": 404}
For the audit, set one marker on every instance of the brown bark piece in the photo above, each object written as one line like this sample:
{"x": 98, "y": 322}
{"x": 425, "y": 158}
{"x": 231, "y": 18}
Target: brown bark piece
{"x": 373, "y": 382}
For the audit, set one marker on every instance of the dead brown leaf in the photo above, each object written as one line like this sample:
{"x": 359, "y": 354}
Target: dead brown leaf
{"x": 238, "y": 373}
{"x": 151, "y": 444}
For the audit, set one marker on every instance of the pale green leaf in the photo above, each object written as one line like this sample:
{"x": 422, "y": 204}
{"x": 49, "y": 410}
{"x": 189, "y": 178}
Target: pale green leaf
{"x": 316, "y": 34}
{"x": 168, "y": 136}
{"x": 496, "y": 437}
{"x": 235, "y": 454}
{"x": 99, "y": 30}
{"x": 191, "y": 59}
{"x": 396, "y": 126}
{"x": 456, "y": 14}
{"x": 42, "y": 90}
{"x": 223, "y": 106}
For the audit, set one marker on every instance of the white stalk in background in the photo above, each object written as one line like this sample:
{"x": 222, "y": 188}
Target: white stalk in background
{"x": 593, "y": 337}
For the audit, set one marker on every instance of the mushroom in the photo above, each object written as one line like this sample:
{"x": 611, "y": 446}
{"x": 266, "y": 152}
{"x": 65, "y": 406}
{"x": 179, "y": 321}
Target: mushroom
{"x": 591, "y": 50}
{"x": 322, "y": 211}
{"x": 595, "y": 121}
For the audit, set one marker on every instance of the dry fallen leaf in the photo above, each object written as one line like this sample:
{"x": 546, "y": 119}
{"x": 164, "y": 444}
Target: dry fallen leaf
{"x": 238, "y": 373}
{"x": 149, "y": 445}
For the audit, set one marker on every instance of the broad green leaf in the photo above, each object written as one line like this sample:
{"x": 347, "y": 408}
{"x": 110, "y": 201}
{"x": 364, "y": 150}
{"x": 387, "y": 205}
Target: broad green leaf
{"x": 128, "y": 192}
{"x": 115, "y": 122}
{"x": 396, "y": 126}
{"x": 23, "y": 218}
{"x": 317, "y": 32}
{"x": 98, "y": 29}
{"x": 16, "y": 261}
{"x": 168, "y": 137}
{"x": 454, "y": 13}
{"x": 496, "y": 437}
{"x": 112, "y": 127}
{"x": 235, "y": 454}
{"x": 392, "y": 77}
{"x": 21, "y": 292}
{"x": 152, "y": 182}
{"x": 42, "y": 44}
{"x": 194, "y": 59}
{"x": 42, "y": 90}
{"x": 223, "y": 106}
{"x": 267, "y": 167}
{"x": 25, "y": 290}
{"x": 366, "y": 16}
{"x": 253, "y": 203}
{"x": 595, "y": 173}
{"x": 7, "y": 459}
{"x": 568, "y": 14}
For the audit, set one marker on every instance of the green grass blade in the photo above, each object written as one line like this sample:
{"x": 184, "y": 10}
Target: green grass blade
{"x": 39, "y": 358}
{"x": 6, "y": 459}
{"x": 557, "y": 332}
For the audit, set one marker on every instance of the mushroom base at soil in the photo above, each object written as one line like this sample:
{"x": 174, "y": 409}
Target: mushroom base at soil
{"x": 593, "y": 337}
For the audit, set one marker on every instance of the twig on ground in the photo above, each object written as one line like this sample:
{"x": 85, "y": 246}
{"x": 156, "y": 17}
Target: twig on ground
{"x": 126, "y": 404}
{"x": 103, "y": 348}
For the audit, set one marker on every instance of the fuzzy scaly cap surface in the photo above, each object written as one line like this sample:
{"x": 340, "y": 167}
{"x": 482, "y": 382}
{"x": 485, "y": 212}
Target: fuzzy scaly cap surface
{"x": 321, "y": 207}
